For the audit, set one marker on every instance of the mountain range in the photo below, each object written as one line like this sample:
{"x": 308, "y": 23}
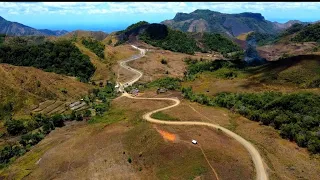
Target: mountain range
{"x": 229, "y": 24}
{"x": 14, "y": 28}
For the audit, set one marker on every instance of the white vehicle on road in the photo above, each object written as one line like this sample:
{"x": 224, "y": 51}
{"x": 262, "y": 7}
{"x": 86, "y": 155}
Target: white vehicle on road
{"x": 194, "y": 142}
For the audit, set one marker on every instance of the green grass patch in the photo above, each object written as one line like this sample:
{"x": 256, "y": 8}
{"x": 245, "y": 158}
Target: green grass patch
{"x": 163, "y": 116}
{"x": 109, "y": 117}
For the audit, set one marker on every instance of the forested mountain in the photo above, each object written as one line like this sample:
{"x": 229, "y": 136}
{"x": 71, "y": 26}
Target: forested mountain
{"x": 14, "y": 28}
{"x": 160, "y": 35}
{"x": 229, "y": 24}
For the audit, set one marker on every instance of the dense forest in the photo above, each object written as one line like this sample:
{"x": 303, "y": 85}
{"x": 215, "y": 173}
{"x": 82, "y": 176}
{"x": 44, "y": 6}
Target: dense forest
{"x": 2, "y": 37}
{"x": 161, "y": 36}
{"x": 309, "y": 33}
{"x": 95, "y": 46}
{"x": 61, "y": 57}
{"x": 217, "y": 42}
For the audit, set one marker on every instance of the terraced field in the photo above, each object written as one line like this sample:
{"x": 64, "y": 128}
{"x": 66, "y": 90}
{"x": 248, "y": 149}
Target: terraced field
{"x": 50, "y": 107}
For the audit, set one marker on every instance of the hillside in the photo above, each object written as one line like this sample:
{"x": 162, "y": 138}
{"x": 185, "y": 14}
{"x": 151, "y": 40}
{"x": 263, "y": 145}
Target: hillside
{"x": 216, "y": 22}
{"x": 160, "y": 35}
{"x": 98, "y": 35}
{"x": 18, "y": 29}
{"x": 25, "y": 87}
{"x": 61, "y": 57}
{"x": 299, "y": 39}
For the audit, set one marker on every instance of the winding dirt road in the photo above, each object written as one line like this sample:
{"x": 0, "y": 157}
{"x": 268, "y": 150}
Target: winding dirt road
{"x": 261, "y": 173}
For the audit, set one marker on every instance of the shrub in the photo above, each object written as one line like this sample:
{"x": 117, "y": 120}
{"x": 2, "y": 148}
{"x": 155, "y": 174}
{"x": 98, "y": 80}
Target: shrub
{"x": 15, "y": 127}
{"x": 163, "y": 61}
{"x": 95, "y": 46}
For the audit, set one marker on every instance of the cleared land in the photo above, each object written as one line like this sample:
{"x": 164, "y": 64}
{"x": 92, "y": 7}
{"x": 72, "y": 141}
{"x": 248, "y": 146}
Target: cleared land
{"x": 284, "y": 159}
{"x": 175, "y": 66}
{"x": 100, "y": 150}
{"x": 275, "y": 51}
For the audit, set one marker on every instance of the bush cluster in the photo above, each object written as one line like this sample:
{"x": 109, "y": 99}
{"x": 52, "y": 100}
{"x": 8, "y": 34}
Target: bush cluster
{"x": 169, "y": 39}
{"x": 219, "y": 43}
{"x": 95, "y": 46}
{"x": 61, "y": 57}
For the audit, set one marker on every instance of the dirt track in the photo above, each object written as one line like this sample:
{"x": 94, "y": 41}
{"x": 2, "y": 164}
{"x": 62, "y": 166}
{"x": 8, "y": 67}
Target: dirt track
{"x": 261, "y": 173}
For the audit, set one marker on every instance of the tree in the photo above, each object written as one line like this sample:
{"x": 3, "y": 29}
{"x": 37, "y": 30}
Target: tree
{"x": 15, "y": 127}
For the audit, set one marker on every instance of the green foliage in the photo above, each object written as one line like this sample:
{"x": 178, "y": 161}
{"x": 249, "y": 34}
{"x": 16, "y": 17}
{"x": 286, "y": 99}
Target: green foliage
{"x": 2, "y": 38}
{"x": 31, "y": 139}
{"x": 61, "y": 57}
{"x": 297, "y": 115}
{"x": 109, "y": 42}
{"x": 163, "y": 61}
{"x": 167, "y": 82}
{"x": 133, "y": 26}
{"x": 309, "y": 33}
{"x": 293, "y": 29}
{"x": 195, "y": 67}
{"x": 8, "y": 152}
{"x": 105, "y": 94}
{"x": 129, "y": 160}
{"x": 262, "y": 38}
{"x": 219, "y": 43}
{"x": 15, "y": 127}
{"x": 160, "y": 36}
{"x": 95, "y": 46}
{"x": 163, "y": 116}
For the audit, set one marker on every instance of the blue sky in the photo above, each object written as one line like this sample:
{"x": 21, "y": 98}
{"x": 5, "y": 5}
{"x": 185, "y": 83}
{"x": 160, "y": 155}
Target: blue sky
{"x": 112, "y": 16}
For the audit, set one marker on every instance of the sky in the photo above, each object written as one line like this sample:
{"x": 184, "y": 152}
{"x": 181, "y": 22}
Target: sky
{"x": 114, "y": 16}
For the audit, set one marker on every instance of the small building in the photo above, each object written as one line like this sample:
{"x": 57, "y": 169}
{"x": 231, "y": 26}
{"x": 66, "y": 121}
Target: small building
{"x": 134, "y": 91}
{"x": 194, "y": 142}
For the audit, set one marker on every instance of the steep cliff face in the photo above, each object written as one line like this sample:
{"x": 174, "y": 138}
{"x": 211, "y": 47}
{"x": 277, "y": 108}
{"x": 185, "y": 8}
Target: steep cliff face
{"x": 229, "y": 24}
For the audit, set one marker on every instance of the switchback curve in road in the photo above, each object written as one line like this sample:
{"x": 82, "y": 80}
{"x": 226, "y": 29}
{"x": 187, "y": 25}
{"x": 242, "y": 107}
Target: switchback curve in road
{"x": 261, "y": 173}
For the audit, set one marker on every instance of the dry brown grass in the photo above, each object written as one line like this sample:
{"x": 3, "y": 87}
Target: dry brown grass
{"x": 98, "y": 35}
{"x": 105, "y": 67}
{"x": 28, "y": 86}
{"x": 243, "y": 36}
{"x": 153, "y": 69}
{"x": 275, "y": 51}
{"x": 285, "y": 160}
{"x": 81, "y": 151}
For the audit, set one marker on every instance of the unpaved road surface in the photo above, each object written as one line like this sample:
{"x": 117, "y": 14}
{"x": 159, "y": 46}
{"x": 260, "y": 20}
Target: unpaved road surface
{"x": 261, "y": 173}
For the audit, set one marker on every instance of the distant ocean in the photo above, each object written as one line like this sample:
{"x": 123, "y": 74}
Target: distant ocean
{"x": 104, "y": 28}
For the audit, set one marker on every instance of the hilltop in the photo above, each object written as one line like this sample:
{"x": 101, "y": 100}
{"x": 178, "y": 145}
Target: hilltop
{"x": 18, "y": 29}
{"x": 160, "y": 35}
{"x": 98, "y": 35}
{"x": 231, "y": 25}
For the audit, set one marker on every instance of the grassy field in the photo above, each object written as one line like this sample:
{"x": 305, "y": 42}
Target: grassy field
{"x": 162, "y": 116}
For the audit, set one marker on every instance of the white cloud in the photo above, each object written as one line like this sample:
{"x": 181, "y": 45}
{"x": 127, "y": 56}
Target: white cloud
{"x": 148, "y": 7}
